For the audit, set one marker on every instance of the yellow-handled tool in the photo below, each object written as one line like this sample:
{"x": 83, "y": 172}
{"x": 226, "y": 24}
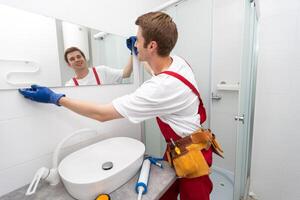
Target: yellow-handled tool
{"x": 103, "y": 197}
{"x": 177, "y": 150}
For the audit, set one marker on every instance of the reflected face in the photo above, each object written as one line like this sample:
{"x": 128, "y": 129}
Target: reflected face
{"x": 76, "y": 60}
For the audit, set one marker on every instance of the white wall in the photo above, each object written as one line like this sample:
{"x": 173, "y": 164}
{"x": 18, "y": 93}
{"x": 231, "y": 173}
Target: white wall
{"x": 30, "y": 131}
{"x": 275, "y": 165}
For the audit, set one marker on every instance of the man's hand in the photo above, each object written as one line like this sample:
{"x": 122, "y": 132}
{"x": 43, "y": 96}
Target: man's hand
{"x": 130, "y": 42}
{"x": 41, "y": 94}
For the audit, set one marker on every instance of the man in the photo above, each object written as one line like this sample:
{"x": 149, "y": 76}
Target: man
{"x": 75, "y": 59}
{"x": 170, "y": 95}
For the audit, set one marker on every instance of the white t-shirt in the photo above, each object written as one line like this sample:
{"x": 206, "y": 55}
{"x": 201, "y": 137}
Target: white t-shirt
{"x": 166, "y": 97}
{"x": 107, "y": 75}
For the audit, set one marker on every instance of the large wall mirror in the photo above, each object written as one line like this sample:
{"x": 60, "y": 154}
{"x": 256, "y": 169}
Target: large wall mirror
{"x": 33, "y": 47}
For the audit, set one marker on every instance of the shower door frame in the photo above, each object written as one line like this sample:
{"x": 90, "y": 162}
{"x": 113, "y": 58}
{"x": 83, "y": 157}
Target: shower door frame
{"x": 245, "y": 116}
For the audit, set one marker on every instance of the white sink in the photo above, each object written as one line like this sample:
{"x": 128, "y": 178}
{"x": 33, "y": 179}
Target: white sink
{"x": 82, "y": 173}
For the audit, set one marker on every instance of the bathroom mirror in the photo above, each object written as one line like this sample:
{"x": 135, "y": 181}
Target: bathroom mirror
{"x": 32, "y": 52}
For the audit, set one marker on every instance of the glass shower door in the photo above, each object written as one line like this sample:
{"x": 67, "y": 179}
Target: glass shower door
{"x": 246, "y": 105}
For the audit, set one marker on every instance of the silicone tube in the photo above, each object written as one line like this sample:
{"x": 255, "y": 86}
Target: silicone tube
{"x": 141, "y": 185}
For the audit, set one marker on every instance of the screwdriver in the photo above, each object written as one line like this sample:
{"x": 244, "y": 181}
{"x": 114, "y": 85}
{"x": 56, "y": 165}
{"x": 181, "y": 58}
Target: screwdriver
{"x": 177, "y": 150}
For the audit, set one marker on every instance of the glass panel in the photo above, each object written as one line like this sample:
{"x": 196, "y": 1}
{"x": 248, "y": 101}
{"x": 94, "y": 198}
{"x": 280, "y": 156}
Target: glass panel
{"x": 246, "y": 106}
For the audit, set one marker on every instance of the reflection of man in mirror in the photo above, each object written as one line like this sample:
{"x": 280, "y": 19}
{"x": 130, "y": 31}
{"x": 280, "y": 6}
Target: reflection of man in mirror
{"x": 98, "y": 75}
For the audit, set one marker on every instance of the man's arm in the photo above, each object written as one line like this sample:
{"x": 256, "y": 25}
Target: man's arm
{"x": 100, "y": 112}
{"x": 128, "y": 68}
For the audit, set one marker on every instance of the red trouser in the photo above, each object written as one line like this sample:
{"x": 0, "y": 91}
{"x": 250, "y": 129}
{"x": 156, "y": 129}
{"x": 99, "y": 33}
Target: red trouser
{"x": 191, "y": 188}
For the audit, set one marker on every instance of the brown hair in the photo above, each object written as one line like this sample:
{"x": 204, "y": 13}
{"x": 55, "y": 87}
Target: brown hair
{"x": 70, "y": 50}
{"x": 159, "y": 27}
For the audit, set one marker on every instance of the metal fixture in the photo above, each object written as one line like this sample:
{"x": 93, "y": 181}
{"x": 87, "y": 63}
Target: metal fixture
{"x": 215, "y": 96}
{"x": 107, "y": 165}
{"x": 240, "y": 118}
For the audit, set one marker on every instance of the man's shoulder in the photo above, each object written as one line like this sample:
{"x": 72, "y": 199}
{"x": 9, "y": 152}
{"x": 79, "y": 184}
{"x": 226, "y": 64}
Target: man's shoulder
{"x": 162, "y": 82}
{"x": 180, "y": 61}
{"x": 99, "y": 69}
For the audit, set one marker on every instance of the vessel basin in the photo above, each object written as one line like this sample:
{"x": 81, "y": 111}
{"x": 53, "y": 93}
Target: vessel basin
{"x": 101, "y": 167}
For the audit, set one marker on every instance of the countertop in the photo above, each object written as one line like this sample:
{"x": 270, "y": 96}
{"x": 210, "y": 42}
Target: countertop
{"x": 160, "y": 180}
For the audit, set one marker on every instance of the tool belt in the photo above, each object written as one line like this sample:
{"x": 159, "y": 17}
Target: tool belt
{"x": 185, "y": 154}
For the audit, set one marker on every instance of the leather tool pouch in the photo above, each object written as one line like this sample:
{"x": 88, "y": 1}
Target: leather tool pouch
{"x": 186, "y": 157}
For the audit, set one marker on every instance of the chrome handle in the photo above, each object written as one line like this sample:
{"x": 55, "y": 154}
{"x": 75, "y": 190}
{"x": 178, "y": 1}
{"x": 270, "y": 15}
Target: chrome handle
{"x": 216, "y": 96}
{"x": 240, "y": 118}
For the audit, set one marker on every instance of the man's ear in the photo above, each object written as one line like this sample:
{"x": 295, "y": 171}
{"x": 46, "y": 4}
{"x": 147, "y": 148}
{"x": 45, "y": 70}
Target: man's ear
{"x": 153, "y": 45}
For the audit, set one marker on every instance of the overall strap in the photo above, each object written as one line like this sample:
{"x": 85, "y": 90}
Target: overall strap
{"x": 185, "y": 81}
{"x": 96, "y": 76}
{"x": 75, "y": 81}
{"x": 201, "y": 109}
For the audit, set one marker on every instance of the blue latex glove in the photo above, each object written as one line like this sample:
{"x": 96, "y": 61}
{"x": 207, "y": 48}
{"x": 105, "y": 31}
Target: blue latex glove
{"x": 41, "y": 94}
{"x": 130, "y": 44}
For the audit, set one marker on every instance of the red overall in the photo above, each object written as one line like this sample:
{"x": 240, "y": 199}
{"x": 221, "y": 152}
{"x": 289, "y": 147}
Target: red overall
{"x": 96, "y": 76}
{"x": 189, "y": 188}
